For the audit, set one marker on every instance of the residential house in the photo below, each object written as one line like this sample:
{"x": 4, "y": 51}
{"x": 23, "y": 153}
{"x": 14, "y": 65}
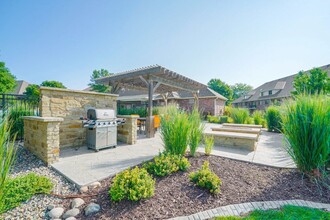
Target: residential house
{"x": 273, "y": 92}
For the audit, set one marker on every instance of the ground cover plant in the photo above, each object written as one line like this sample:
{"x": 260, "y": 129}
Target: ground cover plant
{"x": 132, "y": 184}
{"x": 205, "y": 178}
{"x": 22, "y": 188}
{"x": 286, "y": 212}
{"x": 273, "y": 118}
{"x": 239, "y": 115}
{"x": 165, "y": 164}
{"x": 196, "y": 131}
{"x": 306, "y": 128}
{"x": 213, "y": 119}
{"x": 209, "y": 143}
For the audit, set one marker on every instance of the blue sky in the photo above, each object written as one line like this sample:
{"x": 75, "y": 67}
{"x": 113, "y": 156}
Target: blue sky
{"x": 237, "y": 41}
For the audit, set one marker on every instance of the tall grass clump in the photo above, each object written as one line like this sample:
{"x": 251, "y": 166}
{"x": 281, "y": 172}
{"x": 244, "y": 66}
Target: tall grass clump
{"x": 196, "y": 131}
{"x": 258, "y": 117}
{"x": 209, "y": 143}
{"x": 240, "y": 115}
{"x": 175, "y": 130}
{"x": 273, "y": 118}
{"x": 306, "y": 127}
{"x": 16, "y": 114}
{"x": 7, "y": 154}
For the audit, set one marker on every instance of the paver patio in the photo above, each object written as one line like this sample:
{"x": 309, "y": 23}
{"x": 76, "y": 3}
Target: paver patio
{"x": 85, "y": 166}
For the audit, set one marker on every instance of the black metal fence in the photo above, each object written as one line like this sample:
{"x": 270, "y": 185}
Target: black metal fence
{"x": 17, "y": 106}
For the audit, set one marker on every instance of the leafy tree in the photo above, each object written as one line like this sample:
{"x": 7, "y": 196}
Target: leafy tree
{"x": 240, "y": 89}
{"x": 98, "y": 87}
{"x": 316, "y": 82}
{"x": 7, "y": 80}
{"x": 32, "y": 92}
{"x": 53, "y": 83}
{"x": 222, "y": 88}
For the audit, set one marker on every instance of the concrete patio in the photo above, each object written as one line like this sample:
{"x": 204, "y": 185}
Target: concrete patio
{"x": 82, "y": 166}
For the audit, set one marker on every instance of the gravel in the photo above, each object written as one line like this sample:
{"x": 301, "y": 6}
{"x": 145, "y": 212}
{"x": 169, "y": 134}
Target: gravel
{"x": 36, "y": 207}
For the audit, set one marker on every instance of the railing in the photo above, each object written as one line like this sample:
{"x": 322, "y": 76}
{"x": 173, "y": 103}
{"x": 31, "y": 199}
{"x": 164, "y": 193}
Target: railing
{"x": 17, "y": 106}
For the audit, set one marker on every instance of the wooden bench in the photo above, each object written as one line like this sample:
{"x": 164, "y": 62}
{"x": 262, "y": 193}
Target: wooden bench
{"x": 233, "y": 139}
{"x": 241, "y": 125}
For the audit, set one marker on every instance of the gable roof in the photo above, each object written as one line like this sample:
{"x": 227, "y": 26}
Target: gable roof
{"x": 20, "y": 87}
{"x": 283, "y": 87}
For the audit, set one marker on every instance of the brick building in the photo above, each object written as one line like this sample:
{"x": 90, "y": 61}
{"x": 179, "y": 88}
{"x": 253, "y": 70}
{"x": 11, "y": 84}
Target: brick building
{"x": 270, "y": 93}
{"x": 210, "y": 102}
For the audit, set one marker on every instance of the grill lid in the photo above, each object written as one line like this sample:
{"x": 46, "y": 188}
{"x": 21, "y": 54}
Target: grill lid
{"x": 100, "y": 114}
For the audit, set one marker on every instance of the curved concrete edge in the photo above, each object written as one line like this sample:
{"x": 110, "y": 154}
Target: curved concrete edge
{"x": 239, "y": 209}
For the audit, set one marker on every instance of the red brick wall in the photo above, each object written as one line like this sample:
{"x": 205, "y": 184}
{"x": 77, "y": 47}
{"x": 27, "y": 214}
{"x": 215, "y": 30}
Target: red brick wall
{"x": 210, "y": 106}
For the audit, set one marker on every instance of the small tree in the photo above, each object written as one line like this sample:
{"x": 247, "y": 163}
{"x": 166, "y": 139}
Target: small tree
{"x": 98, "y": 87}
{"x": 240, "y": 89}
{"x": 7, "y": 80}
{"x": 316, "y": 82}
{"x": 53, "y": 83}
{"x": 222, "y": 88}
{"x": 32, "y": 92}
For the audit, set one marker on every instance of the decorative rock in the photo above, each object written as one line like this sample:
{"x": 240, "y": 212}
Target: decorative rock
{"x": 92, "y": 208}
{"x": 77, "y": 202}
{"x": 56, "y": 213}
{"x": 83, "y": 189}
{"x": 95, "y": 185}
{"x": 50, "y": 207}
{"x": 71, "y": 218}
{"x": 71, "y": 213}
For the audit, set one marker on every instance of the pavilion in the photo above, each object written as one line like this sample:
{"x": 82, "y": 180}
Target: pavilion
{"x": 153, "y": 79}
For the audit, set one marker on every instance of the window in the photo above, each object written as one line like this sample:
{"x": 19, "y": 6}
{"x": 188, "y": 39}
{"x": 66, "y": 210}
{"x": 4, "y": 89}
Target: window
{"x": 270, "y": 92}
{"x": 191, "y": 101}
{"x": 262, "y": 94}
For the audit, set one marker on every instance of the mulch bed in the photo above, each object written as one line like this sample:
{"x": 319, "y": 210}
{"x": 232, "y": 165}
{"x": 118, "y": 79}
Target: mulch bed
{"x": 242, "y": 182}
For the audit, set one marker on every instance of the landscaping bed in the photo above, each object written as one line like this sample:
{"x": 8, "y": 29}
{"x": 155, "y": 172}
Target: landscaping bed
{"x": 242, "y": 182}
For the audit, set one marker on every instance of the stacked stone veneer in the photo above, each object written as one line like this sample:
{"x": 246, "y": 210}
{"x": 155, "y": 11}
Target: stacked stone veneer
{"x": 41, "y": 137}
{"x": 71, "y": 105}
{"x": 127, "y": 132}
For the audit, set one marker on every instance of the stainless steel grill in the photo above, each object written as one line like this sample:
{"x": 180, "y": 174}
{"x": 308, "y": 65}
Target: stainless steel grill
{"x": 101, "y": 127}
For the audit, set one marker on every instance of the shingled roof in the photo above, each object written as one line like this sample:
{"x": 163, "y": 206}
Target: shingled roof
{"x": 283, "y": 85}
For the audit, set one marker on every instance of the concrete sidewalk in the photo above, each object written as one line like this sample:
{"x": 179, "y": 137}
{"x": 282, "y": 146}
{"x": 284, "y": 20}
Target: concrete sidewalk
{"x": 269, "y": 151}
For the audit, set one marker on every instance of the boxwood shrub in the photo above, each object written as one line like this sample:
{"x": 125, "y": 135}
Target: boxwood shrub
{"x": 132, "y": 184}
{"x": 205, "y": 178}
{"x": 165, "y": 164}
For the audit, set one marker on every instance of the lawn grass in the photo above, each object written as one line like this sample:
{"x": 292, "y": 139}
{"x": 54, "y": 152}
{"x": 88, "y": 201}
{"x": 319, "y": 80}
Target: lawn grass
{"x": 287, "y": 212}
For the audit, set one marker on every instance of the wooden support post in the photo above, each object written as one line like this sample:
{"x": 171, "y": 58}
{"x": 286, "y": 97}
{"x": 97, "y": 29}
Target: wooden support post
{"x": 150, "y": 120}
{"x": 196, "y": 99}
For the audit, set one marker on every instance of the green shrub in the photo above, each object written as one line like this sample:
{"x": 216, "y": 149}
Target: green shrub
{"x": 228, "y": 110}
{"x": 273, "y": 118}
{"x": 196, "y": 131}
{"x": 7, "y": 155}
{"x": 240, "y": 115}
{"x": 258, "y": 117}
{"x": 213, "y": 119}
{"x": 22, "y": 188}
{"x": 175, "y": 131}
{"x": 205, "y": 178}
{"x": 165, "y": 164}
{"x": 223, "y": 119}
{"x": 134, "y": 185}
{"x": 306, "y": 127}
{"x": 16, "y": 115}
{"x": 209, "y": 143}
